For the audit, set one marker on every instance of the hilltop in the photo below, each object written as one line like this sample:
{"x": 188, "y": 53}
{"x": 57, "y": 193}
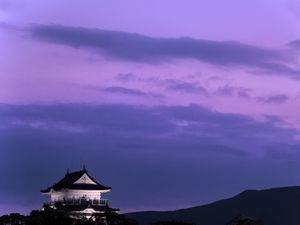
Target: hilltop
{"x": 276, "y": 206}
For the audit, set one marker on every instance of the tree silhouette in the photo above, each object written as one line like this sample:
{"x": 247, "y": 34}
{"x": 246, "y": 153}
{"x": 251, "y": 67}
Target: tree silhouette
{"x": 54, "y": 217}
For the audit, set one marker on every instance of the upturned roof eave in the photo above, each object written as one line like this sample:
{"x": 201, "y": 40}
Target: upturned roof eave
{"x": 70, "y": 178}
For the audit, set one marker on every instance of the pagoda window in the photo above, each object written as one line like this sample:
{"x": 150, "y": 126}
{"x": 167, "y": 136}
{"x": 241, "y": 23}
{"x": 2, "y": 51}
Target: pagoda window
{"x": 95, "y": 202}
{"x": 102, "y": 202}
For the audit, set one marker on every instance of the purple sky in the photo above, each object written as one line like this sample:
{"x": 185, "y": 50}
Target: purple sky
{"x": 172, "y": 103}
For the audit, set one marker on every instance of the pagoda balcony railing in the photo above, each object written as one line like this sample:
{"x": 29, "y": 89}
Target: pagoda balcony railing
{"x": 79, "y": 201}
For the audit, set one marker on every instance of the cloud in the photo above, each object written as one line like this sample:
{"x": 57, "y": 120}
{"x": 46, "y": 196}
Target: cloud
{"x": 10, "y": 27}
{"x": 144, "y": 49}
{"x": 160, "y": 121}
{"x": 129, "y": 91}
{"x": 225, "y": 91}
{"x": 295, "y": 43}
{"x": 243, "y": 94}
{"x": 125, "y": 77}
{"x": 276, "y": 99}
{"x": 127, "y": 147}
{"x": 229, "y": 91}
{"x": 176, "y": 85}
{"x": 123, "y": 90}
{"x": 184, "y": 87}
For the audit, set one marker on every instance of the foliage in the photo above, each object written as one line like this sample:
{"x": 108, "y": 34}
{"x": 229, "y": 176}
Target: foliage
{"x": 13, "y": 219}
{"x": 244, "y": 220}
{"x": 172, "y": 222}
{"x": 52, "y": 217}
{"x": 117, "y": 219}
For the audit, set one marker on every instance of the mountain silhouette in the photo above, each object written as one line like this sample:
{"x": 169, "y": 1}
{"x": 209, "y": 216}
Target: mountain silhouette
{"x": 276, "y": 206}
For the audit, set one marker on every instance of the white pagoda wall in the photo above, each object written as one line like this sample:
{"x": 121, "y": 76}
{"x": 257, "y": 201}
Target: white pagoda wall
{"x": 76, "y": 194}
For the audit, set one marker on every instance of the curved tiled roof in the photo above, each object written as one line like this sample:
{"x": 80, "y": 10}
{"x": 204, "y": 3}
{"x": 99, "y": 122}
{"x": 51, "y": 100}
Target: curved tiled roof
{"x": 69, "y": 180}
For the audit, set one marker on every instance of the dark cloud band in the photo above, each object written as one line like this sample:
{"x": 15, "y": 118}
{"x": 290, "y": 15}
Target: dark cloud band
{"x": 145, "y": 149}
{"x": 143, "y": 49}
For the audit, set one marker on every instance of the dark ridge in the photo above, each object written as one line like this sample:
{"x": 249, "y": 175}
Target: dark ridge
{"x": 276, "y": 206}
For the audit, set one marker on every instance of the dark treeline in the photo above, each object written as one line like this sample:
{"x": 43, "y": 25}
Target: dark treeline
{"x": 55, "y": 218}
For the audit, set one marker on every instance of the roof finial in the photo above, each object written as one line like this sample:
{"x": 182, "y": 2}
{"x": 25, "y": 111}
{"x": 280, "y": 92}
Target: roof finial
{"x": 84, "y": 168}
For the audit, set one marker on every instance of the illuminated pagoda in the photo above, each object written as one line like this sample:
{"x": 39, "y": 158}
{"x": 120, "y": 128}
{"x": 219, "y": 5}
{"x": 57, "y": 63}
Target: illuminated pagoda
{"x": 78, "y": 195}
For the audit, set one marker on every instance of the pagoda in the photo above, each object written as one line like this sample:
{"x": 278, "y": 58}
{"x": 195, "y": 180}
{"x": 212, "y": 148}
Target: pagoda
{"x": 78, "y": 195}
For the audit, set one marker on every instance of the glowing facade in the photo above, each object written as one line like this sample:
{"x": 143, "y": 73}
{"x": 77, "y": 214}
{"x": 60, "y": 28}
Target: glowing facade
{"x": 78, "y": 195}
